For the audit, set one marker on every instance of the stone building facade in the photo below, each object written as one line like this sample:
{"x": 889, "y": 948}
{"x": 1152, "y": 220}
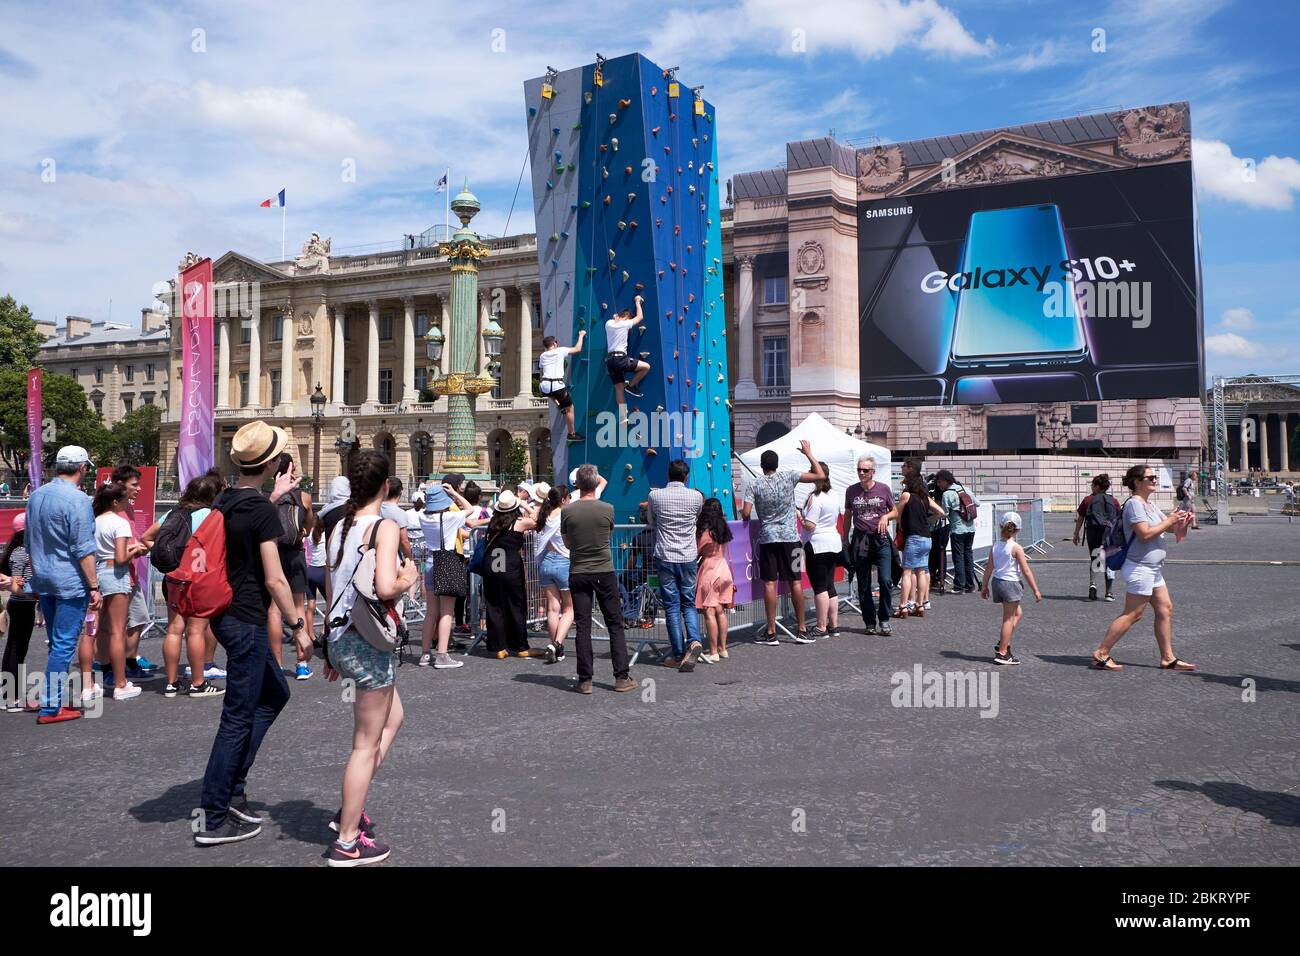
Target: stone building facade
{"x": 122, "y": 367}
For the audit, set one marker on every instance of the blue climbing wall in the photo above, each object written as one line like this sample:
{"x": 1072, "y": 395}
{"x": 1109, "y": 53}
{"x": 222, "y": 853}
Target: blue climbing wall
{"x": 625, "y": 190}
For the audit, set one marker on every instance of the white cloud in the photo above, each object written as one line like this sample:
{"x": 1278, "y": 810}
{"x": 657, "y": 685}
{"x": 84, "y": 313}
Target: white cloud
{"x": 1240, "y": 319}
{"x": 1046, "y": 55}
{"x": 1269, "y": 184}
{"x": 1232, "y": 345}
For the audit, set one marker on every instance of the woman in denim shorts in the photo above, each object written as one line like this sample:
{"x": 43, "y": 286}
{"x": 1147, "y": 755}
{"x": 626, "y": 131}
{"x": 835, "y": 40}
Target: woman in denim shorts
{"x": 553, "y": 567}
{"x": 913, "y": 510}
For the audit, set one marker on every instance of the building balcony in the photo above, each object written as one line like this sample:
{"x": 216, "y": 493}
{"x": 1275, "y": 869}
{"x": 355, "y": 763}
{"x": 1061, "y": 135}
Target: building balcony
{"x": 773, "y": 391}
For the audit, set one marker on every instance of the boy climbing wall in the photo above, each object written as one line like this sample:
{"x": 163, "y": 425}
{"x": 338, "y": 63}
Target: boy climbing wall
{"x": 617, "y": 359}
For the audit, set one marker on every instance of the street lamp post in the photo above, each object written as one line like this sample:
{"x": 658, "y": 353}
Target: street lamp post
{"x": 464, "y": 379}
{"x": 1055, "y": 429}
{"x": 318, "y": 402}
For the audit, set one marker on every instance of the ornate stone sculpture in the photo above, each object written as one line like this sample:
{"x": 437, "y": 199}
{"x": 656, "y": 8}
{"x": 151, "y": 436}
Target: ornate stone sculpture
{"x": 315, "y": 255}
{"x": 190, "y": 259}
{"x": 304, "y": 323}
{"x": 1150, "y": 134}
{"x": 880, "y": 168}
{"x": 811, "y": 258}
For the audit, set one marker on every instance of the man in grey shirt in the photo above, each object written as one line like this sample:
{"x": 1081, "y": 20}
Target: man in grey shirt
{"x": 672, "y": 511}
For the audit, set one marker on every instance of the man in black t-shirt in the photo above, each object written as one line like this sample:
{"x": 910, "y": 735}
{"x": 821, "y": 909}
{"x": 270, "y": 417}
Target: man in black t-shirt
{"x": 256, "y": 690}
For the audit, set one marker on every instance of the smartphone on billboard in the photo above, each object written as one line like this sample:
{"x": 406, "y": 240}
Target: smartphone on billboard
{"x": 1003, "y": 317}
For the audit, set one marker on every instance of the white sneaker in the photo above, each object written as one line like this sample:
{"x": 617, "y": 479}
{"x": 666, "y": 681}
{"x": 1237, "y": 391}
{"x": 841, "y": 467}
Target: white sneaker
{"x": 926, "y": 605}
{"x": 92, "y": 693}
{"x": 126, "y": 693}
{"x": 447, "y": 662}
{"x": 425, "y": 659}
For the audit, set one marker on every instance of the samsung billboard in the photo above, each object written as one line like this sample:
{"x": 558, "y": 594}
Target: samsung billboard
{"x": 1046, "y": 263}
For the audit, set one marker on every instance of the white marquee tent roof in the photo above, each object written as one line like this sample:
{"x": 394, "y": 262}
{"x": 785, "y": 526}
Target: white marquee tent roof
{"x": 829, "y": 444}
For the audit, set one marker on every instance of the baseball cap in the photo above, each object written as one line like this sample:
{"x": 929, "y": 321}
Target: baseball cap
{"x": 73, "y": 455}
{"x": 1011, "y": 518}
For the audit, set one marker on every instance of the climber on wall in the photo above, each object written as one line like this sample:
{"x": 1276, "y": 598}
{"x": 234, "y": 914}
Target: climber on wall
{"x": 617, "y": 358}
{"x": 552, "y": 384}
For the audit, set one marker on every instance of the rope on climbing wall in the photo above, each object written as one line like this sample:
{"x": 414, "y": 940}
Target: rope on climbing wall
{"x": 505, "y": 231}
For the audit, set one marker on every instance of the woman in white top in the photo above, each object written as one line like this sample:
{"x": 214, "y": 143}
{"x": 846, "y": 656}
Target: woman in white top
{"x": 377, "y": 710}
{"x": 442, "y": 529}
{"x": 113, "y": 567}
{"x": 1144, "y": 527}
{"x": 552, "y": 566}
{"x": 822, "y": 549}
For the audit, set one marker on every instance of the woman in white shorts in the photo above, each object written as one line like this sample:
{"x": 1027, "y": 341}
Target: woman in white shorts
{"x": 1144, "y": 530}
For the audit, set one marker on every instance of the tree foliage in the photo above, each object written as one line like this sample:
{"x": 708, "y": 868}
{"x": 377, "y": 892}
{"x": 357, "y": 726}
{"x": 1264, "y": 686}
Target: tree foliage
{"x": 137, "y": 438}
{"x": 73, "y": 422}
{"x": 20, "y": 342}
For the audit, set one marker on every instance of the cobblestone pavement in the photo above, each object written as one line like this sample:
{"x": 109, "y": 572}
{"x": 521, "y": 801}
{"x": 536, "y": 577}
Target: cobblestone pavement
{"x": 790, "y": 754}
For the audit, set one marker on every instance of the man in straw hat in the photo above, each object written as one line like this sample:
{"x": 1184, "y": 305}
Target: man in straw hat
{"x": 256, "y": 690}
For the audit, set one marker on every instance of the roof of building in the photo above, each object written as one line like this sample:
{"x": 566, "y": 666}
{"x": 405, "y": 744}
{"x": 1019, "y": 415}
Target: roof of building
{"x": 106, "y": 333}
{"x": 765, "y": 182}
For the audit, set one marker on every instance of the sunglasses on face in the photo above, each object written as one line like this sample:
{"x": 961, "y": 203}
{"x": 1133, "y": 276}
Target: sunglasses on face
{"x": 866, "y": 471}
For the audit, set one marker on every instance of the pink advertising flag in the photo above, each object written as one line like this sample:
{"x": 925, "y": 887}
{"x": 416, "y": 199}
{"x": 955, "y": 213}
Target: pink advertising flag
{"x": 34, "y": 433}
{"x": 194, "y": 452}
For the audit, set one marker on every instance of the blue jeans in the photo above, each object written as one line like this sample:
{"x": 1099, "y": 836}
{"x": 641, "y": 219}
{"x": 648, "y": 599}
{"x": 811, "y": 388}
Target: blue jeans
{"x": 677, "y": 588}
{"x": 64, "y": 618}
{"x": 876, "y": 552}
{"x": 256, "y": 692}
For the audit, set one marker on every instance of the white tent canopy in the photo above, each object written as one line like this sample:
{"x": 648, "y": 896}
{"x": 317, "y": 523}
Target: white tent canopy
{"x": 829, "y": 444}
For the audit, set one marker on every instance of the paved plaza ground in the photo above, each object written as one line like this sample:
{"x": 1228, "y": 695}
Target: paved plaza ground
{"x": 790, "y": 754}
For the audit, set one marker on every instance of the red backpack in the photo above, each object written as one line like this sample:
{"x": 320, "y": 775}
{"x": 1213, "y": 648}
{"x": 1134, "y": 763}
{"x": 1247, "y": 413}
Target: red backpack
{"x": 199, "y": 587}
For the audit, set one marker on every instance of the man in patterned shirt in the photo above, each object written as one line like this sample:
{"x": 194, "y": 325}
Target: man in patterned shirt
{"x": 780, "y": 555}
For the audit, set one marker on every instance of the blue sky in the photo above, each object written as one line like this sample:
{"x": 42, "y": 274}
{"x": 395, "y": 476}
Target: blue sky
{"x": 165, "y": 125}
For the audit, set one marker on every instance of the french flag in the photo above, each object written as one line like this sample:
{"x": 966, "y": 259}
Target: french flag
{"x": 274, "y": 201}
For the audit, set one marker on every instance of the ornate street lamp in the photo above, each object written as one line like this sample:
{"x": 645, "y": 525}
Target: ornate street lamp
{"x": 422, "y": 444}
{"x": 1054, "y": 429}
{"x": 318, "y": 403}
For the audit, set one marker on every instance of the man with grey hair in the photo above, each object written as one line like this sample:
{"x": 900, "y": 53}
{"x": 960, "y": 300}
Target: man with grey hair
{"x": 61, "y": 542}
{"x": 864, "y": 505}
{"x": 586, "y": 526}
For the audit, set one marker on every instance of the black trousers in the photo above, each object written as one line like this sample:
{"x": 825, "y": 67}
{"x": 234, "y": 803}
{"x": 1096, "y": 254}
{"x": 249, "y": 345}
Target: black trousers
{"x": 506, "y": 600}
{"x": 874, "y": 551}
{"x": 939, "y": 556}
{"x": 22, "y": 618}
{"x": 963, "y": 560}
{"x": 603, "y": 588}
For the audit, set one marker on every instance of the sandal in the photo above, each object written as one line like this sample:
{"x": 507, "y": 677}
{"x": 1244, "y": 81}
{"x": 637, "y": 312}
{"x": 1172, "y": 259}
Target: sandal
{"x": 1177, "y": 664}
{"x": 1106, "y": 663}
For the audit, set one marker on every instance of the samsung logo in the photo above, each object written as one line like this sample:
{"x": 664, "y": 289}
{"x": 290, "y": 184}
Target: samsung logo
{"x": 889, "y": 211}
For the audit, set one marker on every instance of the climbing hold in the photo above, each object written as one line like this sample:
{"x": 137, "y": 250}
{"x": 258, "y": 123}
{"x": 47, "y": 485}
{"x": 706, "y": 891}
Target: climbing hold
{"x": 654, "y": 130}
{"x": 663, "y": 199}
{"x": 603, "y": 147}
{"x": 632, "y": 223}
{"x": 631, "y": 197}
{"x": 672, "y": 116}
{"x": 559, "y": 169}
{"x": 691, "y": 188}
{"x": 675, "y": 353}
{"x": 688, "y": 383}
{"x": 695, "y": 141}
{"x": 591, "y": 268}
{"x": 614, "y": 142}
{"x": 611, "y": 254}
{"x": 677, "y": 230}
{"x": 679, "y": 170}
{"x": 549, "y": 184}
{"x": 670, "y": 190}
{"x": 688, "y": 247}
{"x": 606, "y": 200}
{"x": 673, "y": 266}
{"x": 555, "y": 131}
{"x": 639, "y": 287}
{"x": 622, "y": 224}
{"x": 563, "y": 234}
{"x": 586, "y": 96}
{"x": 651, "y": 451}
{"x": 624, "y": 104}
{"x": 577, "y": 125}
{"x": 668, "y": 149}
{"x": 554, "y": 263}
{"x": 668, "y": 314}
{"x": 661, "y": 273}
{"x": 627, "y": 170}
{"x": 555, "y": 237}
{"x": 613, "y": 117}
{"x": 604, "y": 173}
{"x": 690, "y": 296}
{"x": 646, "y": 355}
{"x": 721, "y": 377}
{"x": 654, "y": 91}
{"x": 566, "y": 283}
{"x": 571, "y": 167}
{"x": 625, "y": 275}
{"x": 585, "y": 204}
{"x": 658, "y": 221}
{"x": 670, "y": 379}
{"x": 709, "y": 164}
{"x": 532, "y": 111}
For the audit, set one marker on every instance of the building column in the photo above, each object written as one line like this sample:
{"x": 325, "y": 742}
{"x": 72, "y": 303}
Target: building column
{"x": 445, "y": 299}
{"x": 1243, "y": 434}
{"x": 746, "y": 387}
{"x": 336, "y": 346}
{"x": 372, "y": 354}
{"x": 287, "y": 334}
{"x": 255, "y": 361}
{"x": 408, "y": 392}
{"x": 1284, "y": 442}
{"x": 525, "y": 341}
{"x": 223, "y": 363}
{"x": 1263, "y": 443}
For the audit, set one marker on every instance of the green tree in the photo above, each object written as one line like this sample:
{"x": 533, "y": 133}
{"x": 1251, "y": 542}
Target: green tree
{"x": 137, "y": 438}
{"x": 516, "y": 463}
{"x": 64, "y": 407}
{"x": 20, "y": 342}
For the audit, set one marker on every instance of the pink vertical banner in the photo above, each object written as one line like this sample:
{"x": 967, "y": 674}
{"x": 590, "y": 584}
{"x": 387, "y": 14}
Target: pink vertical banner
{"x": 34, "y": 433}
{"x": 194, "y": 449}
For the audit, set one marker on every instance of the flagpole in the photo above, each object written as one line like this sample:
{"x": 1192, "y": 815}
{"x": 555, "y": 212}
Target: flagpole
{"x": 446, "y": 215}
{"x": 282, "y": 215}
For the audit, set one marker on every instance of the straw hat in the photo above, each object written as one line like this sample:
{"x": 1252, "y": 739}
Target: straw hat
{"x": 257, "y": 443}
{"x": 507, "y": 502}
{"x": 540, "y": 491}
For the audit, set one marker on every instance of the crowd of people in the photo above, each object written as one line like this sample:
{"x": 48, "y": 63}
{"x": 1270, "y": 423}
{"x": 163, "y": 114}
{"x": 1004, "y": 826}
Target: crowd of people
{"x": 73, "y": 560}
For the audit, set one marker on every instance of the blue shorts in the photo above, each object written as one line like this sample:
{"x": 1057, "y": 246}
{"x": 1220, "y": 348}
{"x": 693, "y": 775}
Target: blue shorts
{"x": 113, "y": 578}
{"x": 553, "y": 571}
{"x": 916, "y": 552}
{"x": 354, "y": 657}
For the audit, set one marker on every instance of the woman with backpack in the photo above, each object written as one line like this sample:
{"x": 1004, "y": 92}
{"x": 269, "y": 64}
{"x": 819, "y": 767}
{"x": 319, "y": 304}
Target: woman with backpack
{"x": 1144, "y": 527}
{"x": 377, "y": 709}
{"x": 296, "y": 519}
{"x": 961, "y": 508}
{"x": 1097, "y": 512}
{"x": 168, "y": 539}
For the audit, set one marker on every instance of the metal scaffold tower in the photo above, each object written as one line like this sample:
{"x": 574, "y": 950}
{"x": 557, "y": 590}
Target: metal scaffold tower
{"x": 1226, "y": 414}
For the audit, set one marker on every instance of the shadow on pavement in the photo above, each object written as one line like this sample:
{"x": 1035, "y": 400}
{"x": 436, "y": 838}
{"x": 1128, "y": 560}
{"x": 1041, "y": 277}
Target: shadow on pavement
{"x": 175, "y": 803}
{"x": 1261, "y": 683}
{"x": 553, "y": 681}
{"x": 300, "y": 820}
{"x": 1279, "y": 808}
